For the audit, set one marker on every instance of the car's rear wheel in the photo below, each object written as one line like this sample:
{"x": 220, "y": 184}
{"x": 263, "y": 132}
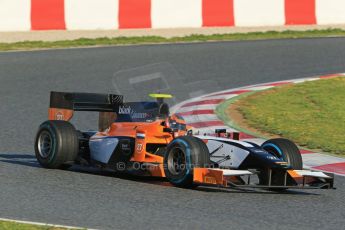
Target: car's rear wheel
{"x": 184, "y": 154}
{"x": 285, "y": 150}
{"x": 56, "y": 144}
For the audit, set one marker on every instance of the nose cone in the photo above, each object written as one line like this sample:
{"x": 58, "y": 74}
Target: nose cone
{"x": 268, "y": 160}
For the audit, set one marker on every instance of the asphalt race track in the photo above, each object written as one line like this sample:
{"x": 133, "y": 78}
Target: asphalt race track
{"x": 94, "y": 199}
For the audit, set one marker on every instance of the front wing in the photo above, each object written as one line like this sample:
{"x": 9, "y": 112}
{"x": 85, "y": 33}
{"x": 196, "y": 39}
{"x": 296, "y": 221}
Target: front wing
{"x": 303, "y": 179}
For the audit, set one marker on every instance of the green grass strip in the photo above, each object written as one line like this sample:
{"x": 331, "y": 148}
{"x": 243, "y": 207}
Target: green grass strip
{"x": 85, "y": 42}
{"x": 312, "y": 113}
{"x": 10, "y": 225}
{"x": 222, "y": 115}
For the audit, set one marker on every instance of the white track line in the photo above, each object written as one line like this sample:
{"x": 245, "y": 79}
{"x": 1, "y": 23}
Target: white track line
{"x": 317, "y": 159}
{"x": 196, "y": 107}
{"x": 225, "y": 97}
{"x": 200, "y": 118}
{"x": 258, "y": 88}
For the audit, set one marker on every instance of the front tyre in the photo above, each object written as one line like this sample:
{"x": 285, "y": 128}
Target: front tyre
{"x": 56, "y": 144}
{"x": 287, "y": 151}
{"x": 184, "y": 154}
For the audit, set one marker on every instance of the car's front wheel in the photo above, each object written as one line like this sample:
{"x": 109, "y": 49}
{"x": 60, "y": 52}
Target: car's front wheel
{"x": 184, "y": 154}
{"x": 287, "y": 151}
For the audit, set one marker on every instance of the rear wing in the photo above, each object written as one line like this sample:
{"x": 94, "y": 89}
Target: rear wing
{"x": 62, "y": 104}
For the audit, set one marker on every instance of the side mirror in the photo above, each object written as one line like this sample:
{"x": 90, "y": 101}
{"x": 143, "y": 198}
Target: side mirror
{"x": 220, "y": 131}
{"x": 169, "y": 130}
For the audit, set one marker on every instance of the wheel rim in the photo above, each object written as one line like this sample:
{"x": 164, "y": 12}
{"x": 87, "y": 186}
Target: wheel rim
{"x": 45, "y": 144}
{"x": 176, "y": 161}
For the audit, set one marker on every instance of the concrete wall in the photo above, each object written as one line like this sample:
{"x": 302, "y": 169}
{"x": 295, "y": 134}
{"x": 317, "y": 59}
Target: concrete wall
{"x": 25, "y": 15}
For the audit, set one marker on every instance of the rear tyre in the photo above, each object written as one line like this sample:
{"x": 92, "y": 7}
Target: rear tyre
{"x": 56, "y": 144}
{"x": 285, "y": 150}
{"x": 184, "y": 154}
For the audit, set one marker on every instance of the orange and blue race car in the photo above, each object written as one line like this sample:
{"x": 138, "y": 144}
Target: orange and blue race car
{"x": 143, "y": 138}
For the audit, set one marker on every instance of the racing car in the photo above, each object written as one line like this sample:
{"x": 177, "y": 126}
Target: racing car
{"x": 143, "y": 138}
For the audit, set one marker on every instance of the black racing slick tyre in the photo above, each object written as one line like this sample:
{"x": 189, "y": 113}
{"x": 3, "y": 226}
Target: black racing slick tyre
{"x": 184, "y": 154}
{"x": 286, "y": 150}
{"x": 56, "y": 144}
